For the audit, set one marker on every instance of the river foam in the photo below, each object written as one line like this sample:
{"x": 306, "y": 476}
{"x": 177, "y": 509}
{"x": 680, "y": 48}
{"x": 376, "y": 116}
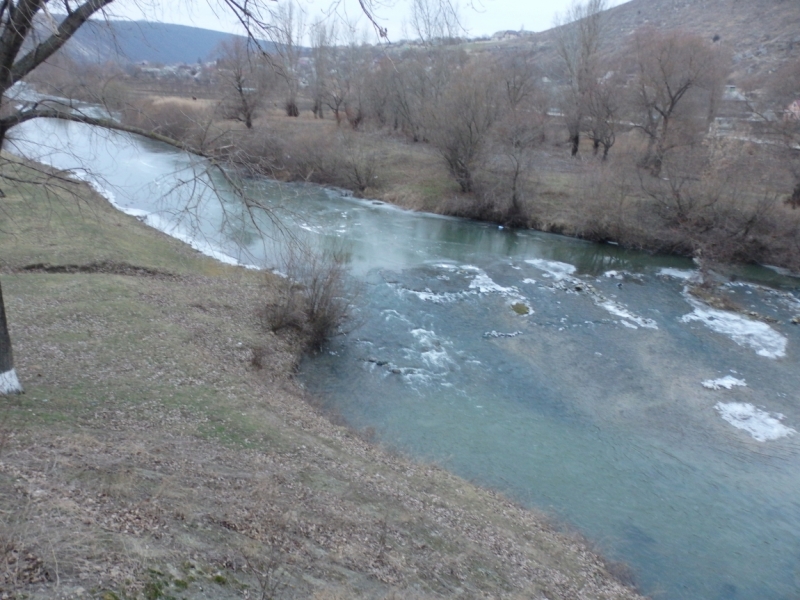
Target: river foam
{"x": 480, "y": 284}
{"x": 682, "y": 274}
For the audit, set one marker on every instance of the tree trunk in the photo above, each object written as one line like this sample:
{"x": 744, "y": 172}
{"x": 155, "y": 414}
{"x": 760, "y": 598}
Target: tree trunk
{"x": 9, "y": 383}
{"x": 575, "y": 140}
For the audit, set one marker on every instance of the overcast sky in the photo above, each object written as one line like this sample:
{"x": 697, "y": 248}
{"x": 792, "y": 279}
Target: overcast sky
{"x": 480, "y": 17}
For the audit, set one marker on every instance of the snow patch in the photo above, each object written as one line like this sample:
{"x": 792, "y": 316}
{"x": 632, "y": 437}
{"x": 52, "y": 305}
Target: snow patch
{"x": 728, "y": 382}
{"x": 748, "y": 333}
{"x": 763, "y": 426}
{"x": 9, "y": 383}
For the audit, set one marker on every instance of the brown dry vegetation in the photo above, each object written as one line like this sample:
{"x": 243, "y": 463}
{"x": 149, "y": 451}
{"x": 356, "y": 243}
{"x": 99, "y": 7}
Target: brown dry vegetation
{"x": 721, "y": 199}
{"x": 163, "y": 449}
{"x": 475, "y": 129}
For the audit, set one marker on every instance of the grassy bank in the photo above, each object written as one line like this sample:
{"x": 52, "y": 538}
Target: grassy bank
{"x": 163, "y": 449}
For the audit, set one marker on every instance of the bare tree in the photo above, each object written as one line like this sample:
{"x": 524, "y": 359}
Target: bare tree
{"x": 378, "y": 92}
{"x": 519, "y": 77}
{"x": 435, "y": 22}
{"x": 340, "y": 70}
{"x": 286, "y": 31}
{"x": 462, "y": 120}
{"x": 353, "y": 68}
{"x": 323, "y": 39}
{"x": 243, "y": 74}
{"x": 602, "y": 103}
{"x": 677, "y": 79}
{"x": 578, "y": 36}
{"x": 518, "y": 132}
{"x": 420, "y": 81}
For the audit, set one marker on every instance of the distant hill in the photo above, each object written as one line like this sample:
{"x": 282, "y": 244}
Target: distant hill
{"x": 763, "y": 34}
{"x": 137, "y": 41}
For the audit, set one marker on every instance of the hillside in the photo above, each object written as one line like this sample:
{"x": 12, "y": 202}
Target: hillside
{"x": 763, "y": 35}
{"x": 138, "y": 41}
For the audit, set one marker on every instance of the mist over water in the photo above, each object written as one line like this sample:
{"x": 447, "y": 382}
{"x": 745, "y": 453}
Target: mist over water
{"x": 578, "y": 378}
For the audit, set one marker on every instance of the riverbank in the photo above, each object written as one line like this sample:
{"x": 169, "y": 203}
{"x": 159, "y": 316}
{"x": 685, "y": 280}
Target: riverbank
{"x": 722, "y": 200}
{"x": 163, "y": 449}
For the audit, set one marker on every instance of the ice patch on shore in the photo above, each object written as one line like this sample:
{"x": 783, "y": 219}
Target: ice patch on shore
{"x": 628, "y": 318}
{"x": 748, "y": 333}
{"x": 782, "y": 271}
{"x": 760, "y": 424}
{"x": 164, "y": 225}
{"x": 553, "y": 268}
{"x": 728, "y": 382}
{"x": 623, "y": 275}
{"x": 682, "y": 274}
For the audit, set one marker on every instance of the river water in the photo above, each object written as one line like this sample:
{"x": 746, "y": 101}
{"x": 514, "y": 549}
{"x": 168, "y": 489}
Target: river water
{"x": 578, "y": 378}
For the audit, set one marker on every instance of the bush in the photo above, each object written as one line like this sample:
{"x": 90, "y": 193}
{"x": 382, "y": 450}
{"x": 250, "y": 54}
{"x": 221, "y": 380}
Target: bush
{"x": 316, "y": 298}
{"x": 178, "y": 119}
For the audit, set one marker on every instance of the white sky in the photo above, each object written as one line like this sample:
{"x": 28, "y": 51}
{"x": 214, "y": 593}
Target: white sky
{"x": 480, "y": 17}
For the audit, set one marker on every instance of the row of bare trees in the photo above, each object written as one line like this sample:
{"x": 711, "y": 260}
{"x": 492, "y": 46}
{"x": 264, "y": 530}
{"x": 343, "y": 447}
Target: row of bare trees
{"x": 667, "y": 85}
{"x": 486, "y": 113}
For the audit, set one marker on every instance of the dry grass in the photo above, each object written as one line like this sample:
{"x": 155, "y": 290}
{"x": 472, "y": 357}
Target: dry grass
{"x": 163, "y": 449}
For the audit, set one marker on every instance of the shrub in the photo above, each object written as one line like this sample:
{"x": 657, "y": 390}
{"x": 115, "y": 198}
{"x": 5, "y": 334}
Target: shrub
{"x": 175, "y": 118}
{"x": 317, "y": 296}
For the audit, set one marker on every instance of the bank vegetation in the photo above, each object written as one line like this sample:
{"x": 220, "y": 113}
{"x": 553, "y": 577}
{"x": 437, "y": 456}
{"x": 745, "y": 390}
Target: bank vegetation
{"x": 649, "y": 146}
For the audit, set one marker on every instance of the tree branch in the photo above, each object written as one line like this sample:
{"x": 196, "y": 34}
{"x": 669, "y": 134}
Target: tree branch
{"x": 51, "y": 45}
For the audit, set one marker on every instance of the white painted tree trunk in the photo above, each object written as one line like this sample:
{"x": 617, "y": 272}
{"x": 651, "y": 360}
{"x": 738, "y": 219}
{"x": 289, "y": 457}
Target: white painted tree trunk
{"x": 9, "y": 382}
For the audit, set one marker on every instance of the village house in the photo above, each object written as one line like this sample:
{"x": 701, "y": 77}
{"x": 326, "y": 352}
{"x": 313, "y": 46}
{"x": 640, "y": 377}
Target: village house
{"x": 792, "y": 112}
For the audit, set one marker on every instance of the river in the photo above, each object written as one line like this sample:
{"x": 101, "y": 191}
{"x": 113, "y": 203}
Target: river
{"x": 578, "y": 378}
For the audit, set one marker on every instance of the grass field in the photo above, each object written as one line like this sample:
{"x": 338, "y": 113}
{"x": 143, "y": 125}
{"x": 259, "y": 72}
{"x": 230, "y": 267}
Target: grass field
{"x": 164, "y": 450}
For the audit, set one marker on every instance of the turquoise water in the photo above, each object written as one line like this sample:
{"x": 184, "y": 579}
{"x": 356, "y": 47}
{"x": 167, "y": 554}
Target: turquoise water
{"x": 591, "y": 406}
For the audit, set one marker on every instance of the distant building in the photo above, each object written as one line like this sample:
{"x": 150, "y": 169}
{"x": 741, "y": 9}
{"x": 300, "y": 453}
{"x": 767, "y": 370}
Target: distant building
{"x": 733, "y": 94}
{"x": 507, "y": 35}
{"x": 792, "y": 112}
